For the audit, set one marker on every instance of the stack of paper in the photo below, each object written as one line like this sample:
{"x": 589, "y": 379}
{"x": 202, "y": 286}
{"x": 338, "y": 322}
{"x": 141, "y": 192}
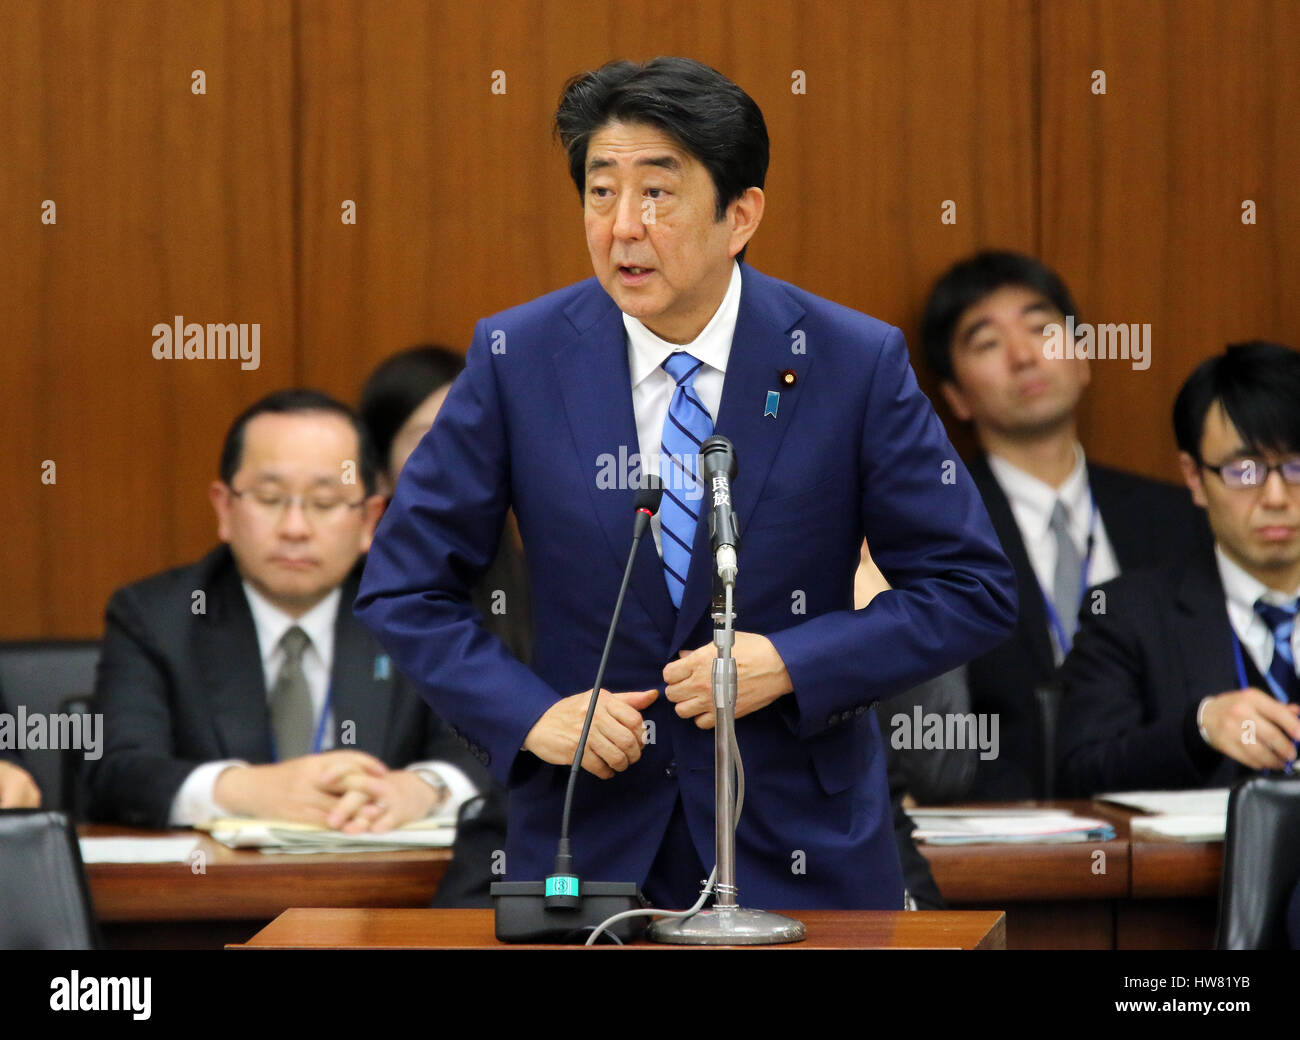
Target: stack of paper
{"x": 1183, "y": 815}
{"x": 137, "y": 850}
{"x": 1006, "y": 826}
{"x": 279, "y": 836}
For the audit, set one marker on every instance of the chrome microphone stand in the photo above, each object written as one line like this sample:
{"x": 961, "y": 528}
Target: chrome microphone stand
{"x": 726, "y": 923}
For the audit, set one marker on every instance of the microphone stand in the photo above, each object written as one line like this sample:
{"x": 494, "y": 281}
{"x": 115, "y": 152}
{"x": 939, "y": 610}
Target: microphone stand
{"x": 726, "y": 923}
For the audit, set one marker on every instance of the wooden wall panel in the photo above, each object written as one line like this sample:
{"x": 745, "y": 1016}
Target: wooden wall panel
{"x": 464, "y": 201}
{"x": 1143, "y": 190}
{"x": 167, "y": 203}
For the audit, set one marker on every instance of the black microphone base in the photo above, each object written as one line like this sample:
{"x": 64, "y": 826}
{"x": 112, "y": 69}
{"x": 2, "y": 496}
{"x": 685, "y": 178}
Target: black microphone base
{"x": 522, "y": 916}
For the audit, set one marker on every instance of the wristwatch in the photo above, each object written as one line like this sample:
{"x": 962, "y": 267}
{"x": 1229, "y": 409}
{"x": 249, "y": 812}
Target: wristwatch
{"x": 437, "y": 783}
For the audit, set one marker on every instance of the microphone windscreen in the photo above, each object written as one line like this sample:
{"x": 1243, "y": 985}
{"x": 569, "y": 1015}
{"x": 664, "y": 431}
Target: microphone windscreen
{"x": 650, "y": 494}
{"x": 717, "y": 456}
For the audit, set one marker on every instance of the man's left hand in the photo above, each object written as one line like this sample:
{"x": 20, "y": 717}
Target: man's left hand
{"x": 760, "y": 678}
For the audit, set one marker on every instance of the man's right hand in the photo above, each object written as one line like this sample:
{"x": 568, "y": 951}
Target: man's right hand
{"x": 300, "y": 790}
{"x": 1275, "y": 727}
{"x": 17, "y": 788}
{"x": 614, "y": 742}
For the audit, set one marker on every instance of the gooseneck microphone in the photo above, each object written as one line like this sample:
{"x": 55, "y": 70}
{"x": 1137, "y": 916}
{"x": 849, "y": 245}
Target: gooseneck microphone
{"x": 563, "y": 908}
{"x": 718, "y": 469}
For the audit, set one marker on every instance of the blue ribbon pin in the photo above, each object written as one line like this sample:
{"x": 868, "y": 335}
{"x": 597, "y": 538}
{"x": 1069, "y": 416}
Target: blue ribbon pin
{"x": 383, "y": 667}
{"x": 773, "y": 400}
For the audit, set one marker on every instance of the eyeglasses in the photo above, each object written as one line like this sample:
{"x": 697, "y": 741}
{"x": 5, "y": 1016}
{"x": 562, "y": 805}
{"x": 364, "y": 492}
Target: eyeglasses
{"x": 1254, "y": 473}
{"x": 320, "y": 508}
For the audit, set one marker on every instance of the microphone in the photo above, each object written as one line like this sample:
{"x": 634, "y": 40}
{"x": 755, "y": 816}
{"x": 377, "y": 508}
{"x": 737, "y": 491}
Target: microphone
{"x": 718, "y": 466}
{"x": 563, "y": 908}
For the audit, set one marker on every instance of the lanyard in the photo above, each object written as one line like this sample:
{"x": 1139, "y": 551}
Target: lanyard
{"x": 1063, "y": 641}
{"x": 319, "y": 738}
{"x": 1242, "y": 682}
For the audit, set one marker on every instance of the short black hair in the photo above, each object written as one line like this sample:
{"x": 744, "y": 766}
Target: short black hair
{"x": 970, "y": 281}
{"x": 707, "y": 114}
{"x": 291, "y": 402}
{"x": 1258, "y": 385}
{"x": 398, "y": 386}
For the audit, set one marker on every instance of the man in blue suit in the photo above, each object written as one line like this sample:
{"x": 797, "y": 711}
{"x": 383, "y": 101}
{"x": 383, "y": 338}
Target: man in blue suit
{"x": 673, "y": 339}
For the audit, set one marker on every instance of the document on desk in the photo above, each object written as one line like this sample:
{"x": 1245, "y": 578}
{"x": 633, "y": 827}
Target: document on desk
{"x": 1183, "y": 815}
{"x": 137, "y": 850}
{"x": 1006, "y": 827}
{"x": 279, "y": 836}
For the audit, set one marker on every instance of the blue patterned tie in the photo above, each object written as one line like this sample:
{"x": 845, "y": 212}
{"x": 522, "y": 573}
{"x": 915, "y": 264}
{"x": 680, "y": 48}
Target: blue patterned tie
{"x": 687, "y": 426}
{"x": 1282, "y": 668}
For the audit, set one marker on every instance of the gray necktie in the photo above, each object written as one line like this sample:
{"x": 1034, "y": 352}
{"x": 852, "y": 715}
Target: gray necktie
{"x": 291, "y": 711}
{"x": 1069, "y": 573}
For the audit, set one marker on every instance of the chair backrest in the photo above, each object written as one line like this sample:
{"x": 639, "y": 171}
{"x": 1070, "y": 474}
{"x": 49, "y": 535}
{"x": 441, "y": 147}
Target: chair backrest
{"x": 1047, "y": 702}
{"x": 44, "y": 899}
{"x": 1261, "y": 864}
{"x": 50, "y": 678}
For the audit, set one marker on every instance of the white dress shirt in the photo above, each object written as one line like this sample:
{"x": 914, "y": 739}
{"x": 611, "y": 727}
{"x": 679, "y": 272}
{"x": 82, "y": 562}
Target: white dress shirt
{"x": 1241, "y": 591}
{"x": 1032, "y": 502}
{"x": 653, "y": 387}
{"x": 195, "y": 801}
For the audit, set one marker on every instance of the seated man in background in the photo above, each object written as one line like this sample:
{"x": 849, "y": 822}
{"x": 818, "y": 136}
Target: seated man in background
{"x": 398, "y": 406}
{"x": 1188, "y": 677}
{"x": 1064, "y": 523}
{"x": 242, "y": 684}
{"x": 17, "y": 788}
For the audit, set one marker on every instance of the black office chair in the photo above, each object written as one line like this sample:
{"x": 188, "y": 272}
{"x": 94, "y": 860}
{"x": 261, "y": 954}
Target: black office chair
{"x": 50, "y": 677}
{"x": 1261, "y": 863}
{"x": 44, "y": 899}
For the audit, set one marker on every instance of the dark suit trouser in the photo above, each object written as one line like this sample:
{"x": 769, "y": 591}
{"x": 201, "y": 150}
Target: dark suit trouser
{"x": 676, "y": 875}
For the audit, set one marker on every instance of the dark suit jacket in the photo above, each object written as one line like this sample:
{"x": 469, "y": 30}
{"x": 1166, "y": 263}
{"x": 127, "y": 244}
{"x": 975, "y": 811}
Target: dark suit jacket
{"x": 10, "y": 756}
{"x": 1136, "y": 676}
{"x": 178, "y": 689}
{"x": 1148, "y": 523}
{"x": 853, "y": 449}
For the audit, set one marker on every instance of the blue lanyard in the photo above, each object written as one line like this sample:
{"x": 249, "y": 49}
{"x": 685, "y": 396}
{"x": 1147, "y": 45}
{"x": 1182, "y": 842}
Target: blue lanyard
{"x": 1243, "y": 682}
{"x": 319, "y": 738}
{"x": 1053, "y": 618}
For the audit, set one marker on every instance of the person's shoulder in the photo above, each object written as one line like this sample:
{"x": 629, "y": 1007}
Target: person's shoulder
{"x": 581, "y": 304}
{"x": 1161, "y": 491}
{"x": 187, "y": 579}
{"x": 853, "y": 326}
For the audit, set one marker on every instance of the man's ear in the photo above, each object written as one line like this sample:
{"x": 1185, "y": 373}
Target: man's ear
{"x": 371, "y": 510}
{"x": 219, "y": 496}
{"x": 1192, "y": 478}
{"x": 956, "y": 400}
{"x": 745, "y": 213}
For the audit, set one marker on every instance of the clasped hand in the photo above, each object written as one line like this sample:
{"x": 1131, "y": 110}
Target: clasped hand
{"x": 345, "y": 790}
{"x": 618, "y": 730}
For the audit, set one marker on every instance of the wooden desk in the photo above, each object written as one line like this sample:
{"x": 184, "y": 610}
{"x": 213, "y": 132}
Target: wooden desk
{"x": 240, "y": 890}
{"x": 1154, "y": 893}
{"x": 315, "y": 929}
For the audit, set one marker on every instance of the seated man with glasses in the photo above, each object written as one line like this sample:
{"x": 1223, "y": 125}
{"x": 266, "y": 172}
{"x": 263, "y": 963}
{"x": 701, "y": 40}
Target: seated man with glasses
{"x": 242, "y": 684}
{"x": 1187, "y": 675}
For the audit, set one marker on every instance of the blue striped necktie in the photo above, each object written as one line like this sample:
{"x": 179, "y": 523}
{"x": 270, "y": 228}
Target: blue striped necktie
{"x": 687, "y": 426}
{"x": 1282, "y": 668}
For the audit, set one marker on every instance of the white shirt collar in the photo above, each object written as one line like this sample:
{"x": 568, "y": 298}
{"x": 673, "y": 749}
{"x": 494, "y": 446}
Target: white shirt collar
{"x": 1032, "y": 500}
{"x": 1242, "y": 590}
{"x": 712, "y": 346}
{"x": 272, "y": 623}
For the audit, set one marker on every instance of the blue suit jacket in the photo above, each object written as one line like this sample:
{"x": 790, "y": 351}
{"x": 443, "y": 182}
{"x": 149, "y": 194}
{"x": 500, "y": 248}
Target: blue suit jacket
{"x": 855, "y": 448}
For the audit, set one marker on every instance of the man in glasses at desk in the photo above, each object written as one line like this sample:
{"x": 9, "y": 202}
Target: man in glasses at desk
{"x": 242, "y": 684}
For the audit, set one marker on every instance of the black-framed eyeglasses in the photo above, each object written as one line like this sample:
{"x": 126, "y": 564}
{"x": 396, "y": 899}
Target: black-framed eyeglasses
{"x": 1254, "y": 472}
{"x": 321, "y": 507}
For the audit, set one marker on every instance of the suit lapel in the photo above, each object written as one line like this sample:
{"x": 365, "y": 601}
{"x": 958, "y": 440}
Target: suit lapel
{"x": 597, "y": 390}
{"x": 361, "y": 685}
{"x": 760, "y": 351}
{"x": 1204, "y": 634}
{"x": 1033, "y": 617}
{"x": 230, "y": 666}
